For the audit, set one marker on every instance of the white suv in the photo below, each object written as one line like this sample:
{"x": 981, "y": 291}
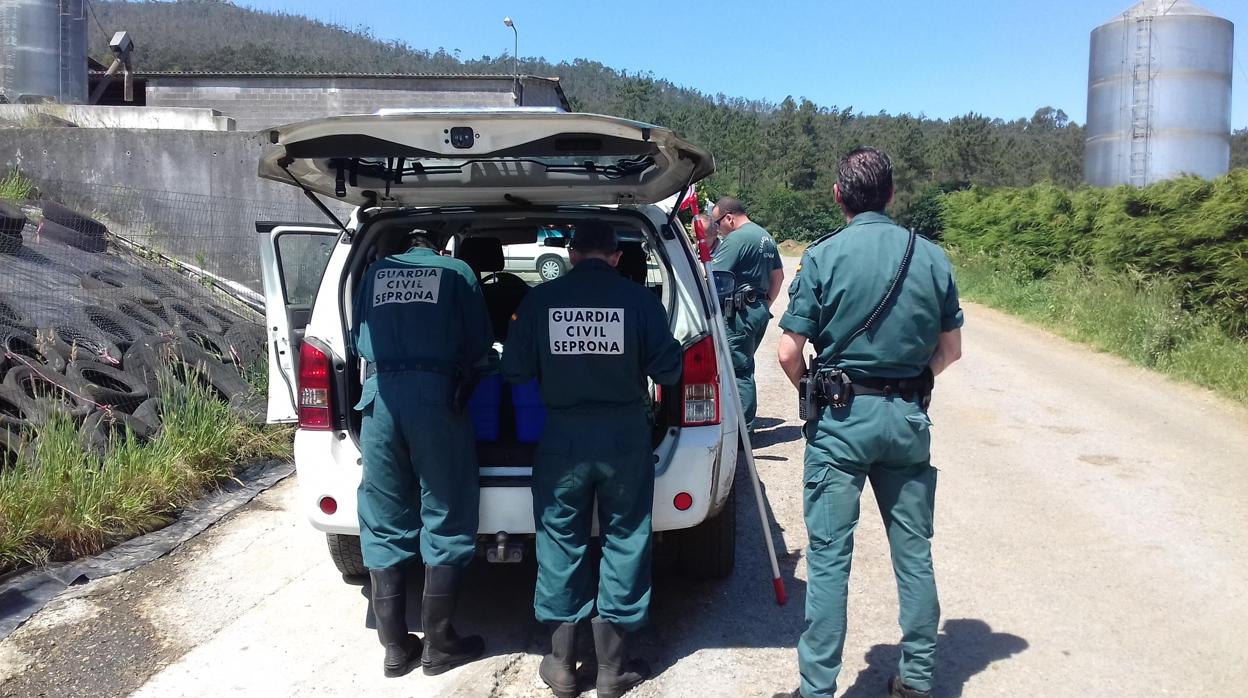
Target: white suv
{"x": 479, "y": 181}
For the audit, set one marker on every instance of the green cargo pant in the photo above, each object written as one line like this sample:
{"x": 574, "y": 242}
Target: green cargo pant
{"x": 604, "y": 455}
{"x": 886, "y": 441}
{"x": 745, "y": 333}
{"x": 420, "y": 492}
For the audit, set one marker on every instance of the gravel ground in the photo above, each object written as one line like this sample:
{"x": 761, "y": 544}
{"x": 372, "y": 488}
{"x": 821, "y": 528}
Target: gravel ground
{"x": 1090, "y": 541}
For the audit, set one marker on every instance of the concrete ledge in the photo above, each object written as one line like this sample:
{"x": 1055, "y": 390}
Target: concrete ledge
{"x": 92, "y": 116}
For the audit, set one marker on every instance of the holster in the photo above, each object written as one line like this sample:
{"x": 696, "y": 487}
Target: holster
{"x": 465, "y": 385}
{"x": 818, "y": 389}
{"x": 744, "y": 297}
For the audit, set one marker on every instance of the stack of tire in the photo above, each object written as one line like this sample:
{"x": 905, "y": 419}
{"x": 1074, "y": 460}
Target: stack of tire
{"x": 131, "y": 329}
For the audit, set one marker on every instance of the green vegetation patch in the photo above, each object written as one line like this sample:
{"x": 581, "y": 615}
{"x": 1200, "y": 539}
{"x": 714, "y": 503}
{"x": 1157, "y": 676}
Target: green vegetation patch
{"x": 1188, "y": 234}
{"x": 59, "y": 501}
{"x": 15, "y": 187}
{"x": 1140, "y": 318}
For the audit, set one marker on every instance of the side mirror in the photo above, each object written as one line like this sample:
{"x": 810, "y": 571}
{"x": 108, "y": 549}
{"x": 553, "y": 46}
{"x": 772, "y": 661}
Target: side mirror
{"x": 725, "y": 283}
{"x": 555, "y": 241}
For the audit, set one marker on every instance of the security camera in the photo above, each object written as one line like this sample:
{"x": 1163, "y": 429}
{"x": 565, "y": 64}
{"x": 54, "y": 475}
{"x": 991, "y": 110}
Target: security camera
{"x": 121, "y": 43}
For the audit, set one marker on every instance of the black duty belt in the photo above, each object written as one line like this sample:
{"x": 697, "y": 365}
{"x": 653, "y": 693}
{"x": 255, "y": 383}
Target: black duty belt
{"x": 906, "y": 388}
{"x": 429, "y": 366}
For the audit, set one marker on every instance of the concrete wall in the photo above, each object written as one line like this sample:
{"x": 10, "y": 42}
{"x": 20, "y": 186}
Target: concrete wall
{"x": 192, "y": 194}
{"x": 256, "y": 102}
{"x": 90, "y": 116}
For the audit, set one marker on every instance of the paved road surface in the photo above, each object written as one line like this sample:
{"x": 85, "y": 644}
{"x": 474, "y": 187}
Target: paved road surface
{"x": 1090, "y": 542}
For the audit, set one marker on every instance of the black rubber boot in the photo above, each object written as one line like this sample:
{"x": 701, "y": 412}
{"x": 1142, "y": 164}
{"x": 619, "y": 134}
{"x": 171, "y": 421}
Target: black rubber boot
{"x": 390, "y": 608}
{"x": 444, "y": 649}
{"x": 558, "y": 669}
{"x": 616, "y": 674}
{"x": 898, "y": 689}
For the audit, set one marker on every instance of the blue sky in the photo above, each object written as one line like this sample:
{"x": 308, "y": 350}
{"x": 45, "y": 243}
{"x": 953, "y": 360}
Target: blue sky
{"x": 942, "y": 58}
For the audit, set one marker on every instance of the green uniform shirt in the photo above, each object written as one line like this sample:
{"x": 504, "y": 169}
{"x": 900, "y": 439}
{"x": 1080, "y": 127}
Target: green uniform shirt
{"x": 591, "y": 337}
{"x": 844, "y": 276}
{"x": 421, "y": 307}
{"x": 750, "y": 253}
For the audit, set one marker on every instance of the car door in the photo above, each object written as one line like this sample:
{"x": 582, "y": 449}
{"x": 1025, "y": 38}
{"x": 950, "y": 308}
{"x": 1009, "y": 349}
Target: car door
{"x": 293, "y": 259}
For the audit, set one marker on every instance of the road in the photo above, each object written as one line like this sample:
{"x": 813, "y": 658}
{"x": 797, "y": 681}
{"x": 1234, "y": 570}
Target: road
{"x": 1090, "y": 542}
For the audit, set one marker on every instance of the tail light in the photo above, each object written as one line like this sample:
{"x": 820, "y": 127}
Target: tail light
{"x": 700, "y": 385}
{"x": 314, "y": 405}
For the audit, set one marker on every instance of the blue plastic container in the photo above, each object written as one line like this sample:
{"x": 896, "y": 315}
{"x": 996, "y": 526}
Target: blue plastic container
{"x": 485, "y": 406}
{"x": 530, "y": 412}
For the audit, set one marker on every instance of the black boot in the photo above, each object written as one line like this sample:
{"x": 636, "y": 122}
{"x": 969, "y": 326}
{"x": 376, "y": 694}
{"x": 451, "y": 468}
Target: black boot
{"x": 898, "y": 689}
{"x": 444, "y": 649}
{"x": 390, "y": 609}
{"x": 558, "y": 669}
{"x": 616, "y": 674}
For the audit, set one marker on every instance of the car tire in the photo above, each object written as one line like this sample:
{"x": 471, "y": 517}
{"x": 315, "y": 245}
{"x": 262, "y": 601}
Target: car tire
{"x": 77, "y": 343}
{"x": 551, "y": 267}
{"x": 250, "y": 343}
{"x": 156, "y": 359}
{"x": 121, "y": 329}
{"x": 105, "y": 385}
{"x": 12, "y": 219}
{"x": 65, "y": 216}
{"x": 10, "y": 243}
{"x": 182, "y": 311}
{"x": 11, "y": 446}
{"x": 228, "y": 318}
{"x": 211, "y": 343}
{"x": 151, "y": 413}
{"x": 14, "y": 417}
{"x": 345, "y": 552}
{"x": 104, "y": 279}
{"x": 34, "y": 350}
{"x": 12, "y": 315}
{"x": 103, "y": 429}
{"x": 709, "y": 550}
{"x": 142, "y": 315}
{"x": 51, "y": 230}
{"x": 250, "y": 408}
{"x": 41, "y": 391}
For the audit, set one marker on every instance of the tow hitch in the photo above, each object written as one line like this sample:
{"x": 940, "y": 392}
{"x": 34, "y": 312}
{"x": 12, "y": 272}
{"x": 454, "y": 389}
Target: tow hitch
{"x": 503, "y": 551}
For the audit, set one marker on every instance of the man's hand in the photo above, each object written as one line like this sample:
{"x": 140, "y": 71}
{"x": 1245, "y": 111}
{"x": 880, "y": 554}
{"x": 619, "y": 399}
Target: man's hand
{"x": 773, "y": 291}
{"x": 791, "y": 359}
{"x": 948, "y": 350}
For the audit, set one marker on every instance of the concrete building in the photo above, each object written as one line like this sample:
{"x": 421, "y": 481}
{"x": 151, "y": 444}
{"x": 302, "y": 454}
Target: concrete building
{"x": 259, "y": 100}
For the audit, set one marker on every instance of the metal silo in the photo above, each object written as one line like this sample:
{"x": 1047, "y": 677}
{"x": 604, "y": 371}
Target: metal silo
{"x": 43, "y": 50}
{"x": 1159, "y": 95}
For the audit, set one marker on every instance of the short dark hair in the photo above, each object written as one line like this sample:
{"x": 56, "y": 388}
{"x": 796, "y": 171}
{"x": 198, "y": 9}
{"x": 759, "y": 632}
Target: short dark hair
{"x": 730, "y": 204}
{"x": 421, "y": 238}
{"x": 865, "y": 179}
{"x": 595, "y": 237}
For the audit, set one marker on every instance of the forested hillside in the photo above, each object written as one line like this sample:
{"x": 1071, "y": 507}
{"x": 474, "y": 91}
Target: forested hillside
{"x": 780, "y": 158}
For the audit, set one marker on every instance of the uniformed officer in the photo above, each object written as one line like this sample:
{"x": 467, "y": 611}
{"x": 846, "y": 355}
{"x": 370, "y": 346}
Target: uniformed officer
{"x": 421, "y": 324}
{"x": 591, "y": 338}
{"x": 883, "y": 434}
{"x": 749, "y": 252}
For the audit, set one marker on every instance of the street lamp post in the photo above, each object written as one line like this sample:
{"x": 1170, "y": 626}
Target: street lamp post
{"x": 515, "y": 53}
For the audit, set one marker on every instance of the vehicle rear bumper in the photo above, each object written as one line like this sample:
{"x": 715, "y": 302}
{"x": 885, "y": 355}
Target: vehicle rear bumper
{"x": 329, "y": 466}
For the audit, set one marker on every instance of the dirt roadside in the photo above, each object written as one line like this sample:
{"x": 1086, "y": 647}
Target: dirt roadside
{"x": 1090, "y": 541}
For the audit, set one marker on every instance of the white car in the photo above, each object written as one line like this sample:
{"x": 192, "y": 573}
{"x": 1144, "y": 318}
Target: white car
{"x": 479, "y": 181}
{"x": 548, "y": 261}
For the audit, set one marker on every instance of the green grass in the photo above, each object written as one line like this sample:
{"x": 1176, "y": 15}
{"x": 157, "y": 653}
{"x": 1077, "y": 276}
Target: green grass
{"x": 59, "y": 502}
{"x": 1137, "y": 317}
{"x": 15, "y": 187}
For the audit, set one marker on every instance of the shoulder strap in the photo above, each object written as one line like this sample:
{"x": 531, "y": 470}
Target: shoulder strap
{"x": 891, "y": 295}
